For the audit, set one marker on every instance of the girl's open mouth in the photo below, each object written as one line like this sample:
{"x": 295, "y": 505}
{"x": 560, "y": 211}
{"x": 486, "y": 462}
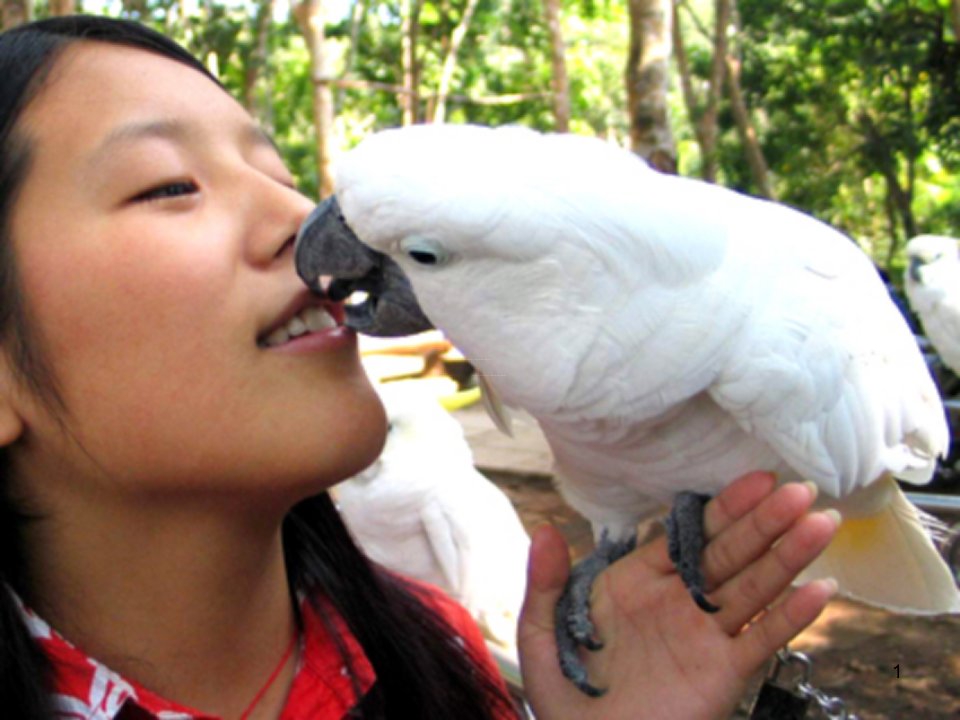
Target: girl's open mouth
{"x": 309, "y": 319}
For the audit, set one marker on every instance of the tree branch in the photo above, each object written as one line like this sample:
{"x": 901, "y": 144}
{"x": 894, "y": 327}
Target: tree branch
{"x": 354, "y": 84}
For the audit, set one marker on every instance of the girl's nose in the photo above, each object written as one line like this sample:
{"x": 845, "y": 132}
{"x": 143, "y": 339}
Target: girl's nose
{"x": 279, "y": 211}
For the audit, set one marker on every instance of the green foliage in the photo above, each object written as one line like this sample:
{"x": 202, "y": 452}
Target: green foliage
{"x": 855, "y": 93}
{"x": 844, "y": 94}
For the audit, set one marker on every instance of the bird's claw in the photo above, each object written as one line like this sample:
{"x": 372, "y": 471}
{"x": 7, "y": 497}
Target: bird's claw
{"x": 685, "y": 540}
{"x": 574, "y": 629}
{"x": 573, "y": 609}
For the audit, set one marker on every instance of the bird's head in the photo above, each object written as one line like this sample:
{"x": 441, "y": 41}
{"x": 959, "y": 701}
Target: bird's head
{"x": 507, "y": 240}
{"x": 928, "y": 252}
{"x": 427, "y": 219}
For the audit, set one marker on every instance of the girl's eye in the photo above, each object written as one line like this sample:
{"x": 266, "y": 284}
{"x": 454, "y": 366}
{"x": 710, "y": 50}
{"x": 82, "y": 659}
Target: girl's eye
{"x": 167, "y": 190}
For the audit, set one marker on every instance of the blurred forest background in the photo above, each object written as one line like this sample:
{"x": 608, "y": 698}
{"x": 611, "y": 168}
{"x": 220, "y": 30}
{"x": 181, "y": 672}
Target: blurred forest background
{"x": 847, "y": 109}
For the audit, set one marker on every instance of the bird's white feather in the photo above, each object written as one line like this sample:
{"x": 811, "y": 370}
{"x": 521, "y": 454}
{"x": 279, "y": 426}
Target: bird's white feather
{"x": 667, "y": 334}
{"x": 424, "y": 511}
{"x": 935, "y": 294}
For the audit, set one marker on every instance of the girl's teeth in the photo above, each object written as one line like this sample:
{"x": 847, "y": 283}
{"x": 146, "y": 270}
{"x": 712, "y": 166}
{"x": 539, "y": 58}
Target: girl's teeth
{"x": 296, "y": 327}
{"x": 317, "y": 319}
{"x": 309, "y": 320}
{"x": 277, "y": 337}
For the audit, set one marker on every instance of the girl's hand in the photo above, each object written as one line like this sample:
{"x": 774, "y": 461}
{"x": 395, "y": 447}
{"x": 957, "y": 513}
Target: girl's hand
{"x": 663, "y": 657}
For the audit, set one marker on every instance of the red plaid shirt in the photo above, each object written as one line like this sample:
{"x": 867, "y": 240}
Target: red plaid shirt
{"x": 85, "y": 689}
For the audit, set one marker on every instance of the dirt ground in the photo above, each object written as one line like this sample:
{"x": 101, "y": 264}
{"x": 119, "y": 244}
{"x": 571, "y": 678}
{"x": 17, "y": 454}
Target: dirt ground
{"x": 882, "y": 665}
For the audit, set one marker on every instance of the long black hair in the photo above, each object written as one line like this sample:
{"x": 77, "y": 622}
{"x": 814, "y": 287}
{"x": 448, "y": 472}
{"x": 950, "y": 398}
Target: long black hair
{"x": 422, "y": 672}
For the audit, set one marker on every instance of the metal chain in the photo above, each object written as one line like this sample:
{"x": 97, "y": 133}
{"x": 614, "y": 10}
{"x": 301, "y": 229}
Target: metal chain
{"x": 830, "y": 705}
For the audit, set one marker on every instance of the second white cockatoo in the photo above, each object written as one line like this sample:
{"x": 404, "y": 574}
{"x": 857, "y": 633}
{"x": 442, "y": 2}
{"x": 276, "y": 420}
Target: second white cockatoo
{"x": 932, "y": 284}
{"x": 667, "y": 334}
{"x": 424, "y": 511}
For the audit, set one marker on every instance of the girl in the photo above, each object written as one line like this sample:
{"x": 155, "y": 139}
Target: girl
{"x": 169, "y": 549}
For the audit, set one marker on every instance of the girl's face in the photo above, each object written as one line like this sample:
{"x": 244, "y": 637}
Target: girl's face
{"x": 154, "y": 241}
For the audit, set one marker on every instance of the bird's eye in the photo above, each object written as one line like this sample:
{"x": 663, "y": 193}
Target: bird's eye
{"x": 422, "y": 257}
{"x": 424, "y": 251}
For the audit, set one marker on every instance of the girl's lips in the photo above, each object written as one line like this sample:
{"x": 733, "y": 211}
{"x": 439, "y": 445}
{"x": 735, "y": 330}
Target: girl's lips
{"x": 306, "y": 313}
{"x": 332, "y": 339}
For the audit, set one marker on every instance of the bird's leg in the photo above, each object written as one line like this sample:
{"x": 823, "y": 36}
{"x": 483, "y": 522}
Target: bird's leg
{"x": 685, "y": 540}
{"x": 574, "y": 628}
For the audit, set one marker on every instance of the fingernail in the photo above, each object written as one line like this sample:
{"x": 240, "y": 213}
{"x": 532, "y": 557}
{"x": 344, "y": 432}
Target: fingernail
{"x": 812, "y": 486}
{"x": 834, "y": 515}
{"x": 831, "y": 585}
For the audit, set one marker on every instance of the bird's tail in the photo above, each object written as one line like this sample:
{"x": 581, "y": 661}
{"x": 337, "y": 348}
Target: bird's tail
{"x": 889, "y": 559}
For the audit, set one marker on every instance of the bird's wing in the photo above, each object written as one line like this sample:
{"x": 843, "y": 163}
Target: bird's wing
{"x": 652, "y": 301}
{"x": 829, "y": 374}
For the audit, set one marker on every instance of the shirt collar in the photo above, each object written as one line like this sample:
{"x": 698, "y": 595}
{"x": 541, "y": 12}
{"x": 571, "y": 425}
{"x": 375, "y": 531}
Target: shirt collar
{"x": 85, "y": 689}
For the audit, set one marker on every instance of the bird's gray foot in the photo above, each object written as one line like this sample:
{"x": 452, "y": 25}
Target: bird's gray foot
{"x": 685, "y": 540}
{"x": 574, "y": 628}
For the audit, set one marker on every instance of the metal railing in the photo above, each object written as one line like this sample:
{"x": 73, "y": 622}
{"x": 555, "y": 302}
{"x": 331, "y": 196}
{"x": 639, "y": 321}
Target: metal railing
{"x": 935, "y": 503}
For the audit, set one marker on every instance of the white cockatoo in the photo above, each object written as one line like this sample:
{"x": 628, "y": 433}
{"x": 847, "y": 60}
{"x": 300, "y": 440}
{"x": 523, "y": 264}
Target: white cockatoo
{"x": 424, "y": 511}
{"x": 932, "y": 283}
{"x": 668, "y": 335}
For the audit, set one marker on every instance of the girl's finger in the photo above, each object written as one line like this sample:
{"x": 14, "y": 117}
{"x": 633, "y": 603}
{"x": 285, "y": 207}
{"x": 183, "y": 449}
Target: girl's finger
{"x": 735, "y": 501}
{"x": 547, "y": 573}
{"x": 752, "y": 590}
{"x": 750, "y": 536}
{"x": 781, "y": 624}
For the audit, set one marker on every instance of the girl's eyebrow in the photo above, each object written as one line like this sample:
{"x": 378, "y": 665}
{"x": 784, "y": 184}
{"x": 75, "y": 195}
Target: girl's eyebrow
{"x": 165, "y": 129}
{"x": 132, "y": 132}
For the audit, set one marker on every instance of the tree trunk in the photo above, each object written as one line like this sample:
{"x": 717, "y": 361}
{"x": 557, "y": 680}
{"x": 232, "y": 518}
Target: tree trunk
{"x": 748, "y": 135}
{"x": 310, "y": 16}
{"x": 710, "y": 129}
{"x": 258, "y": 54}
{"x": 409, "y": 29}
{"x": 955, "y": 19}
{"x": 15, "y": 12}
{"x": 450, "y": 61}
{"x": 647, "y": 78}
{"x": 560, "y": 82}
{"x": 892, "y": 227}
{"x": 357, "y": 12}
{"x": 59, "y": 8}
{"x": 686, "y": 77}
{"x": 876, "y": 149}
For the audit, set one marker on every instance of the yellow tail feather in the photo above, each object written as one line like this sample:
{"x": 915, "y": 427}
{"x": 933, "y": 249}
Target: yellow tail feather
{"x": 888, "y": 559}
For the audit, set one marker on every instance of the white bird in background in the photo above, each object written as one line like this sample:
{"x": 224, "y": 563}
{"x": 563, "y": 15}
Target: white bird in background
{"x": 932, "y": 283}
{"x": 424, "y": 511}
{"x": 668, "y": 335}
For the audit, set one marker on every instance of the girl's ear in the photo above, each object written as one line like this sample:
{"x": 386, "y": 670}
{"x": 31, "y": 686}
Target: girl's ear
{"x": 11, "y": 422}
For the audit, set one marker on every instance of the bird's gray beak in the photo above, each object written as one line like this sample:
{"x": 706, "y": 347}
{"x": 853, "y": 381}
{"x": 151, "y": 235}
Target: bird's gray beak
{"x": 914, "y": 269}
{"x": 326, "y": 246}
